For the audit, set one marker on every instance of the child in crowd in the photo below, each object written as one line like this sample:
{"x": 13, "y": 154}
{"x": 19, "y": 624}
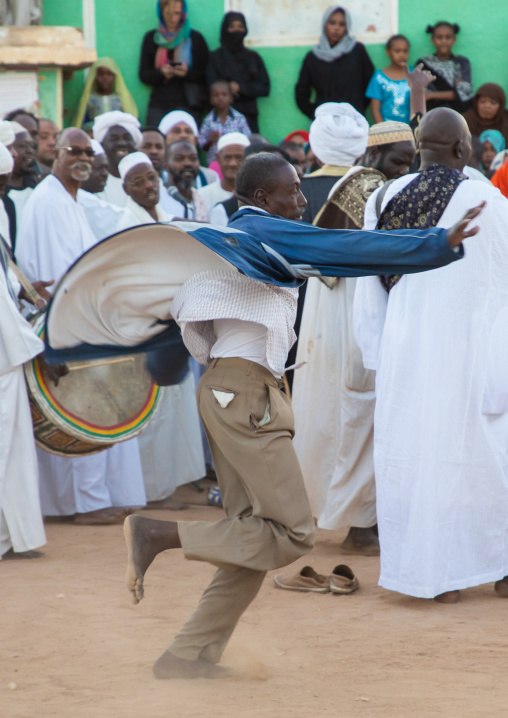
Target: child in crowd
{"x": 388, "y": 89}
{"x": 492, "y": 143}
{"x": 105, "y": 90}
{"x": 453, "y": 85}
{"x": 221, "y": 120}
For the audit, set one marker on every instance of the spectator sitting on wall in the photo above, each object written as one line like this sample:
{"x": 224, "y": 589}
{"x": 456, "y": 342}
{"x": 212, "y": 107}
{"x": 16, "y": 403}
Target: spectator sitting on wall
{"x": 179, "y": 125}
{"x": 173, "y": 61}
{"x": 337, "y": 68}
{"x": 242, "y": 68}
{"x": 222, "y": 120}
{"x": 105, "y": 90}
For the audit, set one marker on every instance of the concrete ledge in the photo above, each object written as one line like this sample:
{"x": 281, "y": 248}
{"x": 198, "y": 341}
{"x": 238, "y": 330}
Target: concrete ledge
{"x": 43, "y": 45}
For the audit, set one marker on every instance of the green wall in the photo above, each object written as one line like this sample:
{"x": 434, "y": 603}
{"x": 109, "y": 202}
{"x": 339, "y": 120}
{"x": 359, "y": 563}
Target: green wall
{"x": 121, "y": 25}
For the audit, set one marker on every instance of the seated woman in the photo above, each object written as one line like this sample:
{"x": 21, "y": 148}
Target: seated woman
{"x": 173, "y": 61}
{"x": 244, "y": 69}
{"x": 488, "y": 111}
{"x": 105, "y": 90}
{"x": 453, "y": 84}
{"x": 338, "y": 68}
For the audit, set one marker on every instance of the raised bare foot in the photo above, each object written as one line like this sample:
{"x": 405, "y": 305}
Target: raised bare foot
{"x": 11, "y": 555}
{"x": 501, "y": 587}
{"x": 361, "y": 541}
{"x": 169, "y": 666}
{"x": 448, "y": 597}
{"x": 145, "y": 538}
{"x": 101, "y": 517}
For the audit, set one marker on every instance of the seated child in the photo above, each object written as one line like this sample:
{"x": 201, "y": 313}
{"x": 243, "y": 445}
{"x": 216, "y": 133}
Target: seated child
{"x": 492, "y": 142}
{"x": 388, "y": 89}
{"x": 105, "y": 90}
{"x": 221, "y": 120}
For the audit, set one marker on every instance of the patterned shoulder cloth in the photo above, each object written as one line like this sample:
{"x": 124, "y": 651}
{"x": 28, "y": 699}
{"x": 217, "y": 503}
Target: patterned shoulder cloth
{"x": 420, "y": 205}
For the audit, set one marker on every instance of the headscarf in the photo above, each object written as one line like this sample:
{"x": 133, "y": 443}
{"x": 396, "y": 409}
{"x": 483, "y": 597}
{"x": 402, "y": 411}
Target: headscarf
{"x": 323, "y": 50}
{"x": 103, "y": 123}
{"x": 339, "y": 134}
{"x": 6, "y": 160}
{"x": 119, "y": 88}
{"x": 7, "y": 134}
{"x": 495, "y": 138}
{"x": 477, "y": 124}
{"x": 174, "y": 118}
{"x": 233, "y": 41}
{"x": 296, "y": 133}
{"x": 128, "y": 162}
{"x": 180, "y": 41}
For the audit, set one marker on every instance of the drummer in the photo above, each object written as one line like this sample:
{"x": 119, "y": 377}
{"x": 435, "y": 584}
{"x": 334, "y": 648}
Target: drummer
{"x": 102, "y": 488}
{"x": 244, "y": 329}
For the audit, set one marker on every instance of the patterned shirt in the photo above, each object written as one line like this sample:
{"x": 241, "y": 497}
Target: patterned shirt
{"x": 393, "y": 96}
{"x": 235, "y": 122}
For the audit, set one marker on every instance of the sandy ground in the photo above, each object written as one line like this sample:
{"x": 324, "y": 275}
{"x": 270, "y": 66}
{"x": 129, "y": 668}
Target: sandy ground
{"x": 72, "y": 645}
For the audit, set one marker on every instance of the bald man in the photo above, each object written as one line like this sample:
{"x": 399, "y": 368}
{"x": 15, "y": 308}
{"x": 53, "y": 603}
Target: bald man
{"x": 440, "y": 439}
{"x": 53, "y": 234}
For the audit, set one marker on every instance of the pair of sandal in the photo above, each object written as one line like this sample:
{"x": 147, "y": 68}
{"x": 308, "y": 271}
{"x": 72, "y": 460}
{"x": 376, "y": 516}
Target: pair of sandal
{"x": 341, "y": 581}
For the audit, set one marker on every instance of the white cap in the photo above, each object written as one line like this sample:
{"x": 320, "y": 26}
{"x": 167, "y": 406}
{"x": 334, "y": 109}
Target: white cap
{"x": 133, "y": 160}
{"x": 97, "y": 147}
{"x": 7, "y": 134}
{"x": 174, "y": 118}
{"x": 18, "y": 129}
{"x": 6, "y": 160}
{"x": 233, "y": 138}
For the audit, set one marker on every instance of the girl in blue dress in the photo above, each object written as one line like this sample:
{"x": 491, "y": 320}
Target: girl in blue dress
{"x": 388, "y": 89}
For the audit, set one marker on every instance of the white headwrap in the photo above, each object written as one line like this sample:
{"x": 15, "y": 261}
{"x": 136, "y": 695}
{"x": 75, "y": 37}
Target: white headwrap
{"x": 232, "y": 138}
{"x": 174, "y": 118}
{"x": 97, "y": 147}
{"x": 339, "y": 134}
{"x": 133, "y": 160}
{"x": 6, "y": 160}
{"x": 103, "y": 123}
{"x": 7, "y": 134}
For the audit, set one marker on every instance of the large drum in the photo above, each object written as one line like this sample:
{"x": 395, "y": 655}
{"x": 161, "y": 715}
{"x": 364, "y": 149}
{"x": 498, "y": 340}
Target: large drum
{"x": 97, "y": 404}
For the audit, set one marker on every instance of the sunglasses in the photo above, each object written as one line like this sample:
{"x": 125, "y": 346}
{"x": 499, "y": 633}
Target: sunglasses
{"x": 77, "y": 151}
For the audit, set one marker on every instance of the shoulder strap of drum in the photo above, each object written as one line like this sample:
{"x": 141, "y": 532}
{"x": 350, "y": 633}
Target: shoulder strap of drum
{"x": 381, "y": 195}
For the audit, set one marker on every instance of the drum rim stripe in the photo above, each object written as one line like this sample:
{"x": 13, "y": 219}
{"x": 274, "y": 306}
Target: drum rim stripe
{"x": 118, "y": 430}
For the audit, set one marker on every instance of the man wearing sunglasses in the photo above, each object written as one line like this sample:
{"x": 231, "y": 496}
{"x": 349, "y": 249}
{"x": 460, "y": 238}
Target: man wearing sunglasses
{"x": 96, "y": 489}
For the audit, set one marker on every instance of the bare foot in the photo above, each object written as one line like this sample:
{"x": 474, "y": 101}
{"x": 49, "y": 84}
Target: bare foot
{"x": 501, "y": 587}
{"x": 361, "y": 541}
{"x": 11, "y": 555}
{"x": 101, "y": 517}
{"x": 145, "y": 538}
{"x": 169, "y": 666}
{"x": 168, "y": 503}
{"x": 448, "y": 597}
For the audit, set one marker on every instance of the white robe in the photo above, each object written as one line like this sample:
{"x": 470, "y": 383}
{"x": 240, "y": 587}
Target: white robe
{"x": 333, "y": 404}
{"x": 21, "y": 526}
{"x": 170, "y": 447}
{"x": 214, "y": 193}
{"x": 441, "y": 465}
{"x": 103, "y": 217}
{"x": 54, "y": 232}
{"x": 114, "y": 192}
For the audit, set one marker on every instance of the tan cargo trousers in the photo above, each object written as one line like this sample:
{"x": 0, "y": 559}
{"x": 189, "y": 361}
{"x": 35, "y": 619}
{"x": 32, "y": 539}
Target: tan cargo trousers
{"x": 249, "y": 425}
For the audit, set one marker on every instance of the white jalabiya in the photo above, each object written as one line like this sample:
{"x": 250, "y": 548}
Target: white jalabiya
{"x": 170, "y": 447}
{"x": 103, "y": 217}
{"x": 134, "y": 215}
{"x": 333, "y": 403}
{"x": 54, "y": 232}
{"x": 214, "y": 193}
{"x": 20, "y": 197}
{"x": 21, "y": 526}
{"x": 441, "y": 465}
{"x": 114, "y": 192}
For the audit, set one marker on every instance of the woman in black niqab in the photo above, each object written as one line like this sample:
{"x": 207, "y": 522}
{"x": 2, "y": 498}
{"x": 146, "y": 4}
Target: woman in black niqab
{"x": 242, "y": 68}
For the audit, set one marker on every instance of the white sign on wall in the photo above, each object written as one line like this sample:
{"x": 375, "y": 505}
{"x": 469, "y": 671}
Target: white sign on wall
{"x": 298, "y": 22}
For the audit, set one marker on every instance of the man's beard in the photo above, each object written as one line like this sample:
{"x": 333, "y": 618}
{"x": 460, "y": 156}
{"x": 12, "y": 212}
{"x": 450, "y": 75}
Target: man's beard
{"x": 80, "y": 171}
{"x": 185, "y": 182}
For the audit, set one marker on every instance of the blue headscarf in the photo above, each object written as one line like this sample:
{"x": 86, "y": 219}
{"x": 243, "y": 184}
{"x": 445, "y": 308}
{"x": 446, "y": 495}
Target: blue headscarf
{"x": 495, "y": 138}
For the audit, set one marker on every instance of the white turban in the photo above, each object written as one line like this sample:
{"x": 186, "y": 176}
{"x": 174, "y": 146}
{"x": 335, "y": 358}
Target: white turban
{"x": 7, "y": 134}
{"x": 97, "y": 147}
{"x": 339, "y": 134}
{"x": 103, "y": 123}
{"x": 174, "y": 118}
{"x": 6, "y": 160}
{"x": 133, "y": 160}
{"x": 232, "y": 138}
